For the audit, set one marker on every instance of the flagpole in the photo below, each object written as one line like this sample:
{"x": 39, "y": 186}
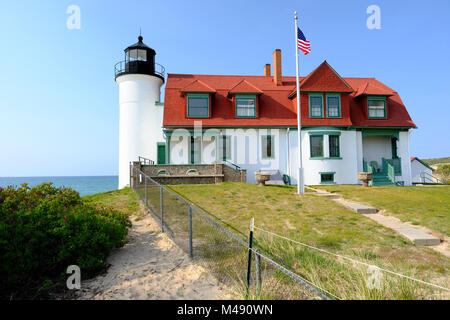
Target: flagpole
{"x": 300, "y": 182}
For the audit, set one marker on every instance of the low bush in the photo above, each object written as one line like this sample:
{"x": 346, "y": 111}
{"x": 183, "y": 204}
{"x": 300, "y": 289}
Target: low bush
{"x": 443, "y": 172}
{"x": 45, "y": 229}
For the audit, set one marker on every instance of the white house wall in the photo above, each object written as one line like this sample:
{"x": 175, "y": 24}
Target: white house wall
{"x": 346, "y": 168}
{"x": 246, "y": 152}
{"x": 179, "y": 150}
{"x": 403, "y": 152}
{"x": 359, "y": 151}
{"x": 246, "y": 146}
{"x": 209, "y": 149}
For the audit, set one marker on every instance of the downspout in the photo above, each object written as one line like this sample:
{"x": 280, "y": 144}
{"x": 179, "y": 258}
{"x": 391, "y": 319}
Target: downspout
{"x": 288, "y": 152}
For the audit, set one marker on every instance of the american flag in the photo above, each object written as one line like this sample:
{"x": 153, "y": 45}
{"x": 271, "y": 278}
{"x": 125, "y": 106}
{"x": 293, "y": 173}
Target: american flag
{"x": 302, "y": 43}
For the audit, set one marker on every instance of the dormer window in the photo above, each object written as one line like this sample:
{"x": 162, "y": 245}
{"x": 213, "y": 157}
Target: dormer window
{"x": 333, "y": 105}
{"x": 376, "y": 107}
{"x": 245, "y": 106}
{"x": 198, "y": 105}
{"x": 316, "y": 105}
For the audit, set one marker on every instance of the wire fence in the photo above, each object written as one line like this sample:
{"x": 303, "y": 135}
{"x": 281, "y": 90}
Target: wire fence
{"x": 272, "y": 266}
{"x": 343, "y": 277}
{"x": 247, "y": 272}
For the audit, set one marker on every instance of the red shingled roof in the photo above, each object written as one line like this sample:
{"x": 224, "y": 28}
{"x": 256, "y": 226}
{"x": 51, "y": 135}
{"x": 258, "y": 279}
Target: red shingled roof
{"x": 197, "y": 86}
{"x": 276, "y": 105}
{"x": 370, "y": 88}
{"x": 324, "y": 78}
{"x": 244, "y": 86}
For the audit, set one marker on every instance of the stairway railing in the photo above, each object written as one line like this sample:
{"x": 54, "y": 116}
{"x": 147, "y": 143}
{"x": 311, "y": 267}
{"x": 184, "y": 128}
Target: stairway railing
{"x": 391, "y": 172}
{"x": 424, "y": 176}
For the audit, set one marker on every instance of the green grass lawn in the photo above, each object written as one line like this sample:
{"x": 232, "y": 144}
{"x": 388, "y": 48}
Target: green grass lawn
{"x": 428, "y": 206}
{"x": 323, "y": 223}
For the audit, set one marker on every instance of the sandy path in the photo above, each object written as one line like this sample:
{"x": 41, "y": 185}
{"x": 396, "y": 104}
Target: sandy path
{"x": 151, "y": 266}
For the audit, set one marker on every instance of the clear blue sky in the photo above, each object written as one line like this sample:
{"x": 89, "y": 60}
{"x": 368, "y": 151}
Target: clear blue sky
{"x": 59, "y": 110}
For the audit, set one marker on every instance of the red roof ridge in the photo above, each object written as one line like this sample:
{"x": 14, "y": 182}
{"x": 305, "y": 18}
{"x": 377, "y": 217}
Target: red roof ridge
{"x": 222, "y": 75}
{"x": 197, "y": 86}
{"x": 374, "y": 89}
{"x": 244, "y": 86}
{"x": 331, "y": 68}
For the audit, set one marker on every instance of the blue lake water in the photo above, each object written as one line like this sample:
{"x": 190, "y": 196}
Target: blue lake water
{"x": 84, "y": 185}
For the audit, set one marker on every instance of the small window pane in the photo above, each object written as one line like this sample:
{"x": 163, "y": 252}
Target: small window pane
{"x": 245, "y": 107}
{"x": 196, "y": 144}
{"x": 316, "y": 146}
{"x": 142, "y": 55}
{"x": 198, "y": 107}
{"x": 334, "y": 146}
{"x": 226, "y": 147}
{"x": 267, "y": 147}
{"x": 376, "y": 109}
{"x": 326, "y": 177}
{"x": 316, "y": 106}
{"x": 333, "y": 106}
{"x": 137, "y": 55}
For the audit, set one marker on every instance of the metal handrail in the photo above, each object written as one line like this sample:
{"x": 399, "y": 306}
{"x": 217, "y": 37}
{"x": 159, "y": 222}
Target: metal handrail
{"x": 391, "y": 172}
{"x": 120, "y": 67}
{"x": 231, "y": 163}
{"x": 146, "y": 161}
{"x": 425, "y": 175}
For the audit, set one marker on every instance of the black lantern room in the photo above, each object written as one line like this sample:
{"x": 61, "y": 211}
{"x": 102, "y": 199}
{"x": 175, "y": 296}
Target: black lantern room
{"x": 139, "y": 59}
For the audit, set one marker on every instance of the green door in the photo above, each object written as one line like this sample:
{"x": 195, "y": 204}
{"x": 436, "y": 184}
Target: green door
{"x": 161, "y": 153}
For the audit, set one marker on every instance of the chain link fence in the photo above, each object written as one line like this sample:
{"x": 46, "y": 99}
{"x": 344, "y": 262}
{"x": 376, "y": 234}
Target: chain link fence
{"x": 247, "y": 272}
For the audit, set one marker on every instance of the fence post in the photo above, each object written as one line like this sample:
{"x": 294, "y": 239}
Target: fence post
{"x": 250, "y": 246}
{"x": 146, "y": 191}
{"x": 258, "y": 273}
{"x": 191, "y": 249}
{"x": 161, "y": 200}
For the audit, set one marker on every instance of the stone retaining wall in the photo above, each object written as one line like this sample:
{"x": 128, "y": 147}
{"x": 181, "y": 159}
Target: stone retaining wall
{"x": 192, "y": 173}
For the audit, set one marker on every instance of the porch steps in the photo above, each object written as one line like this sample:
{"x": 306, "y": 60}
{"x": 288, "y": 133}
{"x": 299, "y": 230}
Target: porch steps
{"x": 381, "y": 179}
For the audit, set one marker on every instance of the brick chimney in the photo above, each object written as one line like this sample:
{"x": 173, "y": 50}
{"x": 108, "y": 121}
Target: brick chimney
{"x": 277, "y": 77}
{"x": 267, "y": 70}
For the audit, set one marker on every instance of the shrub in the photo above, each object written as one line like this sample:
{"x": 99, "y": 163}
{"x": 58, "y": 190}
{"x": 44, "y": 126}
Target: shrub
{"x": 45, "y": 229}
{"x": 443, "y": 171}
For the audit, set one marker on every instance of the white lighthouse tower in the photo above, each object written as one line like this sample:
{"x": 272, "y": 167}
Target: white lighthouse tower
{"x": 140, "y": 129}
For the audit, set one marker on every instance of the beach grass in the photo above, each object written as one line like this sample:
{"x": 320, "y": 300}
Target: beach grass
{"x": 322, "y": 223}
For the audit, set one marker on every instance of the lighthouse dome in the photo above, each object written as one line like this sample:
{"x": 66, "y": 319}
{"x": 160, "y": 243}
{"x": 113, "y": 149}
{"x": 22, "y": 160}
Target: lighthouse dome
{"x": 139, "y": 59}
